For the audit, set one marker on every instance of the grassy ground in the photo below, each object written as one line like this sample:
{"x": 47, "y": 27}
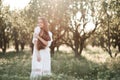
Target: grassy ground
{"x": 94, "y": 65}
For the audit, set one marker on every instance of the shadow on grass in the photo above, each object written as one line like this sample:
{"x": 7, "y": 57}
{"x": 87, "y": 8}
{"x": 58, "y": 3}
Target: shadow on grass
{"x": 12, "y": 54}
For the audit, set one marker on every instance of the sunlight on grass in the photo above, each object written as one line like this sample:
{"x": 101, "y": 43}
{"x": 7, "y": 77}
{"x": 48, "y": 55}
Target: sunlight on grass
{"x": 65, "y": 48}
{"x": 95, "y": 54}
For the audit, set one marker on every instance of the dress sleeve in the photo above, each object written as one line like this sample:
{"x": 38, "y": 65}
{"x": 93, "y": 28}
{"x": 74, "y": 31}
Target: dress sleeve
{"x": 49, "y": 42}
{"x": 36, "y": 31}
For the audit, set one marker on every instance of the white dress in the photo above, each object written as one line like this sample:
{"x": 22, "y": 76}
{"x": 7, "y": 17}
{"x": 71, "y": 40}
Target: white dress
{"x": 43, "y": 67}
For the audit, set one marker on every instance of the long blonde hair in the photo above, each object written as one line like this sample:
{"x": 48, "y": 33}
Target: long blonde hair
{"x": 43, "y": 34}
{"x": 45, "y": 22}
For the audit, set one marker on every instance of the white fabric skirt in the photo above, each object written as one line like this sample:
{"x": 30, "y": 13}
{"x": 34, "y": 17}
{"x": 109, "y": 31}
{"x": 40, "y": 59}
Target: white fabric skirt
{"x": 43, "y": 67}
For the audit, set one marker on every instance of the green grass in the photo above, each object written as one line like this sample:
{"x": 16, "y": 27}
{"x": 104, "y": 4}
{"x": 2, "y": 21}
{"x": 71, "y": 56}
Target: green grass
{"x": 17, "y": 66}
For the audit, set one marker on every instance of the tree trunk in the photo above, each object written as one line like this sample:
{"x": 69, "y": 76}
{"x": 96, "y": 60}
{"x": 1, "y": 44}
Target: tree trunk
{"x": 81, "y": 49}
{"x": 4, "y": 47}
{"x": 76, "y": 53}
{"x": 4, "y": 44}
{"x": 0, "y": 44}
{"x": 57, "y": 48}
{"x": 81, "y": 46}
{"x": 76, "y": 43}
{"x": 52, "y": 51}
{"x": 22, "y": 44}
{"x": 110, "y": 53}
{"x": 4, "y": 50}
{"x": 16, "y": 46}
{"x": 31, "y": 46}
{"x": 119, "y": 46}
{"x": 109, "y": 50}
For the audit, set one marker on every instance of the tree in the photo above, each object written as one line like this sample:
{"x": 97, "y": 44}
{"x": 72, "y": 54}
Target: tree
{"x": 115, "y": 8}
{"x": 56, "y": 13}
{"x": 5, "y": 30}
{"x": 20, "y": 29}
{"x": 108, "y": 32}
{"x": 78, "y": 33}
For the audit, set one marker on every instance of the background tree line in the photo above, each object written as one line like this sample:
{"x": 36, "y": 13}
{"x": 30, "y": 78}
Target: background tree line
{"x": 68, "y": 21}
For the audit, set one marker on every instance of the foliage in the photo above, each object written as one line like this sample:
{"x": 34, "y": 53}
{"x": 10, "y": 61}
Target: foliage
{"x": 56, "y": 14}
{"x": 82, "y": 15}
{"x": 5, "y": 28}
{"x": 107, "y": 35}
{"x": 68, "y": 21}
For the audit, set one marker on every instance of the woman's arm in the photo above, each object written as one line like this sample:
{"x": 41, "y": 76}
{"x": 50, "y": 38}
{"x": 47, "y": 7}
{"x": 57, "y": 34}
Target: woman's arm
{"x": 34, "y": 40}
{"x": 42, "y": 40}
{"x": 36, "y": 32}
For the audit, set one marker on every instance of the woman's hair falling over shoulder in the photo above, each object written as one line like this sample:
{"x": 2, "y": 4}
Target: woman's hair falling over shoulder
{"x": 43, "y": 34}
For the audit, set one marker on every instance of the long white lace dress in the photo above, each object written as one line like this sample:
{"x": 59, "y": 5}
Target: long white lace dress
{"x": 43, "y": 67}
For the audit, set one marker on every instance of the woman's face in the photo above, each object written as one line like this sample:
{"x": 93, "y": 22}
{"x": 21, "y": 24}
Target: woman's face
{"x": 40, "y": 22}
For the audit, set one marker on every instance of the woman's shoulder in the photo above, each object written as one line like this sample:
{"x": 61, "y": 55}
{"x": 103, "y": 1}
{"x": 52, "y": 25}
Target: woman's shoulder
{"x": 37, "y": 29}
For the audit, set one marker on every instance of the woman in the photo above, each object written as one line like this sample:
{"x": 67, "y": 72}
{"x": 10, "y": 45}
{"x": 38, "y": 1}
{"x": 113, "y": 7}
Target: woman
{"x": 41, "y": 61}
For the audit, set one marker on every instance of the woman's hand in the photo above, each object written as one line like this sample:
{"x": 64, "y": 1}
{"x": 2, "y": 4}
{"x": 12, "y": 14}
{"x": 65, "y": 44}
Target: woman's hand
{"x": 38, "y": 58}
